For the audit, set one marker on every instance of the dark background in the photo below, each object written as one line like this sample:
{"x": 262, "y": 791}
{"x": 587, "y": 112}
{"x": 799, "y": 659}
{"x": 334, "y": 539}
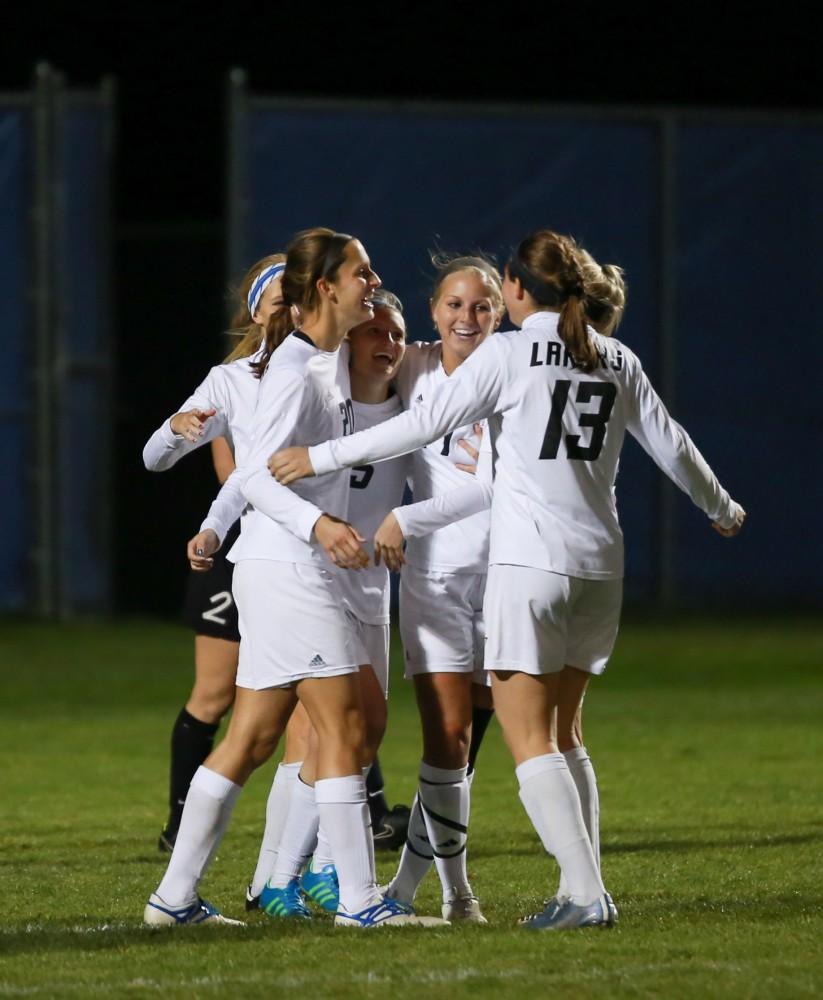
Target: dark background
{"x": 170, "y": 68}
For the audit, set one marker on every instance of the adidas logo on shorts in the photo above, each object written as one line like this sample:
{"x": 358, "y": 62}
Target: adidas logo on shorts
{"x": 419, "y": 398}
{"x": 317, "y": 661}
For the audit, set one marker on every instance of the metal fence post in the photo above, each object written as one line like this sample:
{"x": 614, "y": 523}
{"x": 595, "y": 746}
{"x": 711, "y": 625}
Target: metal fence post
{"x": 667, "y": 363}
{"x": 43, "y": 295}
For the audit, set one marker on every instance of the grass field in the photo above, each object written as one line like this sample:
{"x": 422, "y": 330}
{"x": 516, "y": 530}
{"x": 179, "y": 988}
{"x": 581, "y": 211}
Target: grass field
{"x": 707, "y": 740}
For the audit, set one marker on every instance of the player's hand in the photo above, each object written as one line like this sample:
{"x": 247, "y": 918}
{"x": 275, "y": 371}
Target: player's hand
{"x": 471, "y": 451}
{"x": 740, "y": 517}
{"x": 200, "y": 550}
{"x": 290, "y": 464}
{"x": 341, "y": 542}
{"x": 191, "y": 423}
{"x": 388, "y": 544}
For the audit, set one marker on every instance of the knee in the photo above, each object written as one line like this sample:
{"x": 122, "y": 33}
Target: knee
{"x": 348, "y": 734}
{"x": 210, "y": 704}
{"x": 567, "y": 740}
{"x": 261, "y": 747}
{"x": 448, "y": 744}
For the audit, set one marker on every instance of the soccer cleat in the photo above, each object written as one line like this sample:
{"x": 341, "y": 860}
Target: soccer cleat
{"x": 322, "y": 887}
{"x": 563, "y": 915}
{"x": 286, "y": 902}
{"x": 387, "y": 913}
{"x": 464, "y": 910}
{"x": 158, "y": 914}
{"x": 389, "y": 832}
{"x": 252, "y": 901}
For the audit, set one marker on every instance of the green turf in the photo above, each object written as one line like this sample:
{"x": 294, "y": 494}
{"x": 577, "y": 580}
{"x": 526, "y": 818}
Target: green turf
{"x": 707, "y": 740}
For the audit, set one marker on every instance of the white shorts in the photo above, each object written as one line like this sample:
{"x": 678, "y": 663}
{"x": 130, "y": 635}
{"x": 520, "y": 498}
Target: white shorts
{"x": 292, "y": 624}
{"x": 372, "y": 647}
{"x": 441, "y": 622}
{"x": 538, "y": 622}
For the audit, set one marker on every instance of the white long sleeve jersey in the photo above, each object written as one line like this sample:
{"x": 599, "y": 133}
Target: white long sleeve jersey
{"x": 462, "y": 546}
{"x": 556, "y": 435}
{"x": 373, "y": 491}
{"x": 304, "y": 395}
{"x": 231, "y": 390}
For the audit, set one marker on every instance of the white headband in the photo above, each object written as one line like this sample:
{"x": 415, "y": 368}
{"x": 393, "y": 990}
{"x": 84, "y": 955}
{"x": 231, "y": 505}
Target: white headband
{"x": 261, "y": 283}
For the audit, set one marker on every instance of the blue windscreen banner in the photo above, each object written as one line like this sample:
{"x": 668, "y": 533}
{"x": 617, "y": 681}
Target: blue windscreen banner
{"x": 16, "y": 372}
{"x": 82, "y": 357}
{"x": 717, "y": 222}
{"x": 749, "y": 357}
{"x": 55, "y": 403}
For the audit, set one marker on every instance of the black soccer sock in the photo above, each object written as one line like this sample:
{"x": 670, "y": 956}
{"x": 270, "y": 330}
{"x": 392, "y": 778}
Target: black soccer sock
{"x": 191, "y": 742}
{"x": 378, "y": 807}
{"x": 481, "y": 717}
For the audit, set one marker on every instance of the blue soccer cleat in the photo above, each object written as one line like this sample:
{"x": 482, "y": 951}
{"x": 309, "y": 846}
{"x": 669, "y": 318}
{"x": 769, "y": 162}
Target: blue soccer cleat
{"x": 159, "y": 914}
{"x": 286, "y": 902}
{"x": 386, "y": 913}
{"x": 563, "y": 915}
{"x": 322, "y": 887}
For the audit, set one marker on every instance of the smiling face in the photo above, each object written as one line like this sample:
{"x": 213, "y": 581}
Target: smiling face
{"x": 351, "y": 288}
{"x": 378, "y": 346}
{"x": 271, "y": 299}
{"x": 464, "y": 314}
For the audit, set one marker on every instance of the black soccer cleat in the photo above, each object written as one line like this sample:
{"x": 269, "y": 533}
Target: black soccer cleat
{"x": 389, "y": 832}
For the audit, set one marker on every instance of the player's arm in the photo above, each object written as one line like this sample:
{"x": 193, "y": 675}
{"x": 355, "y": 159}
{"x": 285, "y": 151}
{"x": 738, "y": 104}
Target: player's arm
{"x": 674, "y": 452}
{"x": 281, "y": 400}
{"x": 470, "y": 394}
{"x": 222, "y": 458}
{"x": 231, "y": 500}
{"x": 199, "y": 420}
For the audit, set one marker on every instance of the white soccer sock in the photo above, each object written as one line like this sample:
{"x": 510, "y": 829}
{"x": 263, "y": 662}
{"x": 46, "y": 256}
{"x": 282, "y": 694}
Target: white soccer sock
{"x": 344, "y": 815}
{"x": 299, "y": 835}
{"x": 444, "y": 800}
{"x": 585, "y": 780}
{"x": 277, "y": 809}
{"x": 416, "y": 859}
{"x": 322, "y": 852}
{"x": 548, "y": 793}
{"x": 206, "y": 815}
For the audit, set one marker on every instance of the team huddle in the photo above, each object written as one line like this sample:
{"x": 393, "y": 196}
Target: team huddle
{"x": 510, "y": 559}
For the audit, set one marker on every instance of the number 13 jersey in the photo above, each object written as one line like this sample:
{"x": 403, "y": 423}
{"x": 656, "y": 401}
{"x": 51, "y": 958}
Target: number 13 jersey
{"x": 556, "y": 437}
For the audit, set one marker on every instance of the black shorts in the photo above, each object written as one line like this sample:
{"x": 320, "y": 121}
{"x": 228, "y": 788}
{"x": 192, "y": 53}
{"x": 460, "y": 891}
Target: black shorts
{"x": 209, "y": 607}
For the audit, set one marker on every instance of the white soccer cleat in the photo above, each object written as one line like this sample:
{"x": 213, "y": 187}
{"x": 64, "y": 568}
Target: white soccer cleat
{"x": 159, "y": 914}
{"x": 463, "y": 909}
{"x": 386, "y": 913}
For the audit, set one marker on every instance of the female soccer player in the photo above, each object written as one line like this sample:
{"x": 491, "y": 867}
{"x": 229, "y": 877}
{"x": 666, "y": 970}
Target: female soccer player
{"x": 604, "y": 301}
{"x": 296, "y": 641}
{"x": 219, "y": 411}
{"x": 376, "y": 350}
{"x": 446, "y": 568}
{"x": 559, "y": 399}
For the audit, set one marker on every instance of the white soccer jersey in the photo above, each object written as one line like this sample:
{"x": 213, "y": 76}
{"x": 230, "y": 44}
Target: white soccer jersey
{"x": 462, "y": 546}
{"x": 303, "y": 395}
{"x": 419, "y": 519}
{"x": 373, "y": 491}
{"x": 231, "y": 390}
{"x": 556, "y": 434}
